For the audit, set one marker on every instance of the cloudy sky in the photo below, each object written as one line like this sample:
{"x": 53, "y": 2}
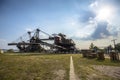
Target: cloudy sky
{"x": 85, "y": 21}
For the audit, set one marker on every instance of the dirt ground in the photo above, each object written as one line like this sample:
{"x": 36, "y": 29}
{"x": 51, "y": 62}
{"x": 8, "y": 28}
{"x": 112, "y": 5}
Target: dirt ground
{"x": 108, "y": 56}
{"x": 59, "y": 74}
{"x": 108, "y": 70}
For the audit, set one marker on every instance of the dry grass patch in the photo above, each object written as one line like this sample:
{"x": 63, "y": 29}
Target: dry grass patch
{"x": 59, "y": 74}
{"x": 85, "y": 71}
{"x": 34, "y": 67}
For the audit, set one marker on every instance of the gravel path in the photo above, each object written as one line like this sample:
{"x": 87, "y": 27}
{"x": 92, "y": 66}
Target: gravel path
{"x": 109, "y": 70}
{"x": 72, "y": 73}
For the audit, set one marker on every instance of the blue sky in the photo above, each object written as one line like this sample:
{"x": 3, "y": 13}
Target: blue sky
{"x": 84, "y": 21}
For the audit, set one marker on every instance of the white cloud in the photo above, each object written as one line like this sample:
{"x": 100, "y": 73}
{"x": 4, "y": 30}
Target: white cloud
{"x": 94, "y": 4}
{"x": 85, "y": 31}
{"x": 28, "y": 29}
{"x": 103, "y": 10}
{"x": 103, "y": 35}
{"x": 4, "y": 44}
{"x": 101, "y": 43}
{"x": 106, "y": 11}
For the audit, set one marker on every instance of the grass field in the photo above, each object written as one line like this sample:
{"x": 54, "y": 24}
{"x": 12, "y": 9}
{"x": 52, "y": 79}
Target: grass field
{"x": 50, "y": 67}
{"x": 85, "y": 71}
{"x": 34, "y": 67}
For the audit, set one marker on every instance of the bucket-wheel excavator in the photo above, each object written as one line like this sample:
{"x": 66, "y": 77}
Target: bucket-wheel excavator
{"x": 36, "y": 43}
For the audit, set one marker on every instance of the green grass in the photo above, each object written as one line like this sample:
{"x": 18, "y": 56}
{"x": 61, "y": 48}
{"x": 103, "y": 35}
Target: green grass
{"x": 84, "y": 70}
{"x": 36, "y": 66}
{"x": 33, "y": 66}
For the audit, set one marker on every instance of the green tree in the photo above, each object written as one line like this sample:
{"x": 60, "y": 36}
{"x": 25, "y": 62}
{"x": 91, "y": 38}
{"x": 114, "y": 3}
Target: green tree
{"x": 91, "y": 46}
{"x": 95, "y": 47}
{"x": 117, "y": 46}
{"x": 0, "y": 50}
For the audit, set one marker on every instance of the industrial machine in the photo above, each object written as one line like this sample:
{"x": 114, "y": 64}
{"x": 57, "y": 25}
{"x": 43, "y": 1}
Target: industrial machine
{"x": 36, "y": 43}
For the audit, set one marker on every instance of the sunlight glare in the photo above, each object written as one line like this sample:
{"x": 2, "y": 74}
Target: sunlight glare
{"x": 105, "y": 13}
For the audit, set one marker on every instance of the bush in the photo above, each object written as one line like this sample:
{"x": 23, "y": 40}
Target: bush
{"x": 10, "y": 50}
